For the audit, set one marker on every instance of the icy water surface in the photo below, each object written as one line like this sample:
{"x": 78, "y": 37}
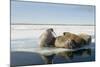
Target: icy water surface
{"x": 25, "y": 49}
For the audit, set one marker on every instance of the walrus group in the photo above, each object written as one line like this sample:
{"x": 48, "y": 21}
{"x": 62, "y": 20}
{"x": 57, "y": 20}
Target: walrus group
{"x": 66, "y": 40}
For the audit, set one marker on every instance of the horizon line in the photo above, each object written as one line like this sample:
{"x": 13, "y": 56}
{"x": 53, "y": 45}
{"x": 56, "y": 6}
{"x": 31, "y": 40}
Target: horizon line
{"x": 56, "y": 24}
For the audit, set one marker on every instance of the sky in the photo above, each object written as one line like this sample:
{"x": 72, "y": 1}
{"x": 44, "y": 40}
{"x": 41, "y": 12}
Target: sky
{"x": 23, "y": 12}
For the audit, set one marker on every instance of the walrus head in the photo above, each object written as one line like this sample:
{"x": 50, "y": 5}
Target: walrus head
{"x": 50, "y": 30}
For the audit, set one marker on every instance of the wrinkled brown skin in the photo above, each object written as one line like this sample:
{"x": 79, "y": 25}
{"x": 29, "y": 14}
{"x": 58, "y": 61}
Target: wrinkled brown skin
{"x": 69, "y": 40}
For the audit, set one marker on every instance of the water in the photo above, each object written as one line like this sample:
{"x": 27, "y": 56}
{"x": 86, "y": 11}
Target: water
{"x": 25, "y": 49}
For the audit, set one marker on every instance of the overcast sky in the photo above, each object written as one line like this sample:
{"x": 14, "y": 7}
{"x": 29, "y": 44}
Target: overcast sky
{"x": 46, "y": 13}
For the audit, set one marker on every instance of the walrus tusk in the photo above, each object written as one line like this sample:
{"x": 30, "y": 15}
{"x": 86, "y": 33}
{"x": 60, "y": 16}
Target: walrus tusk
{"x": 54, "y": 34}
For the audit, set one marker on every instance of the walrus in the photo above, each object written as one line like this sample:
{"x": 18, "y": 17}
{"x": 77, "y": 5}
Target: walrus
{"x": 86, "y": 37}
{"x": 47, "y": 38}
{"x": 69, "y": 40}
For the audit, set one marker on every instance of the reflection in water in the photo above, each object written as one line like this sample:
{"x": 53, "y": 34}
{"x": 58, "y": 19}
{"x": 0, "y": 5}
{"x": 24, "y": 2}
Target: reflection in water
{"x": 67, "y": 56}
{"x": 23, "y": 58}
{"x": 48, "y": 59}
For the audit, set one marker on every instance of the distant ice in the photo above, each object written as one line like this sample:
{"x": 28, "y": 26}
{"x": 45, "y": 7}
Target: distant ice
{"x": 34, "y": 31}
